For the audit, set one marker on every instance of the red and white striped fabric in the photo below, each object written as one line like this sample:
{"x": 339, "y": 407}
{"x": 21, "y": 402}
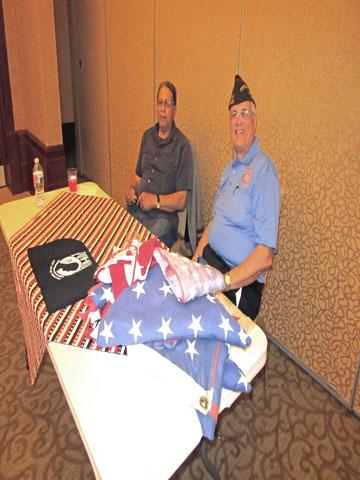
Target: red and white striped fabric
{"x": 101, "y": 224}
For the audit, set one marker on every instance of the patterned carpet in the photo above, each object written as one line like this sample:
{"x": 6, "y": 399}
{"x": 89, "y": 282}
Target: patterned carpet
{"x": 293, "y": 429}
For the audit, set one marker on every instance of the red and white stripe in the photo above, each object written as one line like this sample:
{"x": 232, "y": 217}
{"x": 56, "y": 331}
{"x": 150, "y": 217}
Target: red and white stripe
{"x": 101, "y": 224}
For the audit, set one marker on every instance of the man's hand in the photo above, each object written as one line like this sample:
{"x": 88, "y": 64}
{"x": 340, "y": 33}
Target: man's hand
{"x": 204, "y": 240}
{"x": 130, "y": 195}
{"x": 197, "y": 254}
{"x": 147, "y": 201}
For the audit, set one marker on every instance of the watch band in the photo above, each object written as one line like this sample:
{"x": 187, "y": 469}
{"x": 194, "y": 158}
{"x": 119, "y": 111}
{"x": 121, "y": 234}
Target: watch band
{"x": 158, "y": 201}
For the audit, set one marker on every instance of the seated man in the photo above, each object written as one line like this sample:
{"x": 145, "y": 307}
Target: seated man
{"x": 241, "y": 237}
{"x": 163, "y": 174}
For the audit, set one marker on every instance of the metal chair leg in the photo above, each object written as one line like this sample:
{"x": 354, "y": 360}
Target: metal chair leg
{"x": 209, "y": 467}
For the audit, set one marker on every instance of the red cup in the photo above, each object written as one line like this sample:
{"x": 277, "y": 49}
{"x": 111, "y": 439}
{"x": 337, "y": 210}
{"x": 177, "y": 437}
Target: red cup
{"x": 72, "y": 179}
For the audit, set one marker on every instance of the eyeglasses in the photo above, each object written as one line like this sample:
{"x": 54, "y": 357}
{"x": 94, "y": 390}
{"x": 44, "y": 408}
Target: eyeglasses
{"x": 167, "y": 103}
{"x": 244, "y": 114}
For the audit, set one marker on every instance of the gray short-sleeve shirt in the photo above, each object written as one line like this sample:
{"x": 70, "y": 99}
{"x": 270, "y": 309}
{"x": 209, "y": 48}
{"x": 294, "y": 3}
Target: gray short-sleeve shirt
{"x": 164, "y": 165}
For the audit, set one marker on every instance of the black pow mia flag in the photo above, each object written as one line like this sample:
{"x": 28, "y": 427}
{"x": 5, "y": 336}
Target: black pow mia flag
{"x": 64, "y": 270}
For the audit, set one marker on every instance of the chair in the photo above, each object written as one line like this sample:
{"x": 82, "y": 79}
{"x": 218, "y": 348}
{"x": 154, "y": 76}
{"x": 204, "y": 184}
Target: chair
{"x": 191, "y": 224}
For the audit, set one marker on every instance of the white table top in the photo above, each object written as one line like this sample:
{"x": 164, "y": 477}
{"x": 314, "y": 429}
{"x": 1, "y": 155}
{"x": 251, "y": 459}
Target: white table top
{"x": 135, "y": 412}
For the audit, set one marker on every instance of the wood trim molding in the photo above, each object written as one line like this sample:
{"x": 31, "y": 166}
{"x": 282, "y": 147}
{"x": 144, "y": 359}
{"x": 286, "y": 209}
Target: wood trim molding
{"x": 52, "y": 159}
{"x": 22, "y": 148}
{"x": 13, "y": 165}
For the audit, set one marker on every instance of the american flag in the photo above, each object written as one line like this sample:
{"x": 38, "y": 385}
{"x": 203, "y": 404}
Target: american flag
{"x": 193, "y": 335}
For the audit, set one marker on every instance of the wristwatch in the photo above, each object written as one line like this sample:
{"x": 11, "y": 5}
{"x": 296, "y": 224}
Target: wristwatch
{"x": 158, "y": 201}
{"x": 227, "y": 280}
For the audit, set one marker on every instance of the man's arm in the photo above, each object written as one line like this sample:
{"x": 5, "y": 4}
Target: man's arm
{"x": 131, "y": 193}
{"x": 173, "y": 202}
{"x": 259, "y": 261}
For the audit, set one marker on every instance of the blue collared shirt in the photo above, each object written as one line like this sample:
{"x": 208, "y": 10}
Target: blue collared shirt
{"x": 246, "y": 208}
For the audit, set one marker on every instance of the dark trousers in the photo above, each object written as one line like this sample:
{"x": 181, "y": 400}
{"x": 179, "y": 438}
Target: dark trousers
{"x": 250, "y": 295}
{"x": 161, "y": 224}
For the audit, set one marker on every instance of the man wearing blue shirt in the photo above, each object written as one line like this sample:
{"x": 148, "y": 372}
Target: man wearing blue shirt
{"x": 241, "y": 238}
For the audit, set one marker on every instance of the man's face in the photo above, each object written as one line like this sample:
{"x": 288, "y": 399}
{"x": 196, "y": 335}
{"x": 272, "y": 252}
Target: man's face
{"x": 242, "y": 127}
{"x": 165, "y": 110}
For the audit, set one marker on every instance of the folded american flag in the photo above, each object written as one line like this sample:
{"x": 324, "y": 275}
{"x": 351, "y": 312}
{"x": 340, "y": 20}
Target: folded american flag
{"x": 148, "y": 311}
{"x": 193, "y": 335}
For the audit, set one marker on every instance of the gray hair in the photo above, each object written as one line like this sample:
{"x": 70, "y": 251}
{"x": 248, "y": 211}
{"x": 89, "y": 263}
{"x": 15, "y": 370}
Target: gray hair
{"x": 170, "y": 86}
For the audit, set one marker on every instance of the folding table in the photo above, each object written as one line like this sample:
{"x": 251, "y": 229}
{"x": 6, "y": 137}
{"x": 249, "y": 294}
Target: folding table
{"x": 136, "y": 412}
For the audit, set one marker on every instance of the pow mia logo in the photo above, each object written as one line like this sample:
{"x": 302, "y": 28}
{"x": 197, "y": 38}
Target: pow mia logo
{"x": 70, "y": 265}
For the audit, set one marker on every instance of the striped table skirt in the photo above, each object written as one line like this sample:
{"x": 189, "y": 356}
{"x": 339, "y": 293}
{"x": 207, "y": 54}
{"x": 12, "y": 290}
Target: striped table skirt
{"x": 101, "y": 224}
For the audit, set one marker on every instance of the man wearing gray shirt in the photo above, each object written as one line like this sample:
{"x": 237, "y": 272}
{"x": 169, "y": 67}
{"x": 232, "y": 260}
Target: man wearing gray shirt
{"x": 163, "y": 174}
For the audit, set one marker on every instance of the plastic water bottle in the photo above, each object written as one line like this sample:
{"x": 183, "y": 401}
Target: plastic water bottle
{"x": 38, "y": 178}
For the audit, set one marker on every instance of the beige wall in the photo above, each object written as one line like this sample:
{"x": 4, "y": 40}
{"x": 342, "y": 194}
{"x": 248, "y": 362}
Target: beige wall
{"x": 303, "y": 66}
{"x": 12, "y": 45}
{"x": 131, "y": 85}
{"x": 201, "y": 61}
{"x": 30, "y": 37}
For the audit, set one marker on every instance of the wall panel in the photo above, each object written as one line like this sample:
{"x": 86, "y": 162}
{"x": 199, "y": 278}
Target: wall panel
{"x": 64, "y": 63}
{"x": 31, "y": 47}
{"x": 302, "y": 61}
{"x": 49, "y": 72}
{"x": 88, "y": 45}
{"x": 14, "y": 63}
{"x": 130, "y": 40}
{"x": 197, "y": 46}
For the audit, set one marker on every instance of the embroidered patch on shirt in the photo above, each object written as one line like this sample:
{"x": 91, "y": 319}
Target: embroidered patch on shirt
{"x": 247, "y": 176}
